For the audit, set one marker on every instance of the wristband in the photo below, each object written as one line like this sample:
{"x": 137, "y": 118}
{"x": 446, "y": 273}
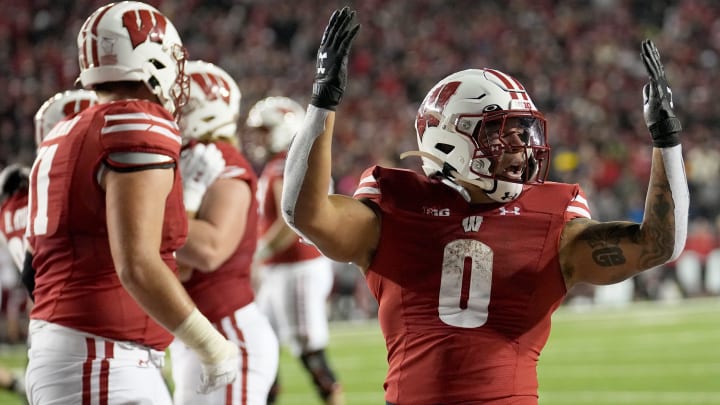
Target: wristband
{"x": 666, "y": 133}
{"x": 199, "y": 335}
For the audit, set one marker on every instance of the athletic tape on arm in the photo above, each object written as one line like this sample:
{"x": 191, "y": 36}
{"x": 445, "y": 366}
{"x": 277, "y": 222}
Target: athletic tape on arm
{"x": 296, "y": 164}
{"x": 675, "y": 171}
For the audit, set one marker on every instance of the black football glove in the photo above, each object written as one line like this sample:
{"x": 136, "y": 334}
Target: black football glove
{"x": 657, "y": 101}
{"x": 332, "y": 59}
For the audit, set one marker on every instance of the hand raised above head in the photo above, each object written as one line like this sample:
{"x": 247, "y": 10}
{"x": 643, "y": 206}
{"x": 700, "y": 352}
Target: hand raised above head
{"x": 332, "y": 59}
{"x": 657, "y": 100}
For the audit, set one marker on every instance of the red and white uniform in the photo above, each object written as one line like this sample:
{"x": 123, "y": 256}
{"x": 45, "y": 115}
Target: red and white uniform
{"x": 465, "y": 291}
{"x": 13, "y": 220}
{"x": 296, "y": 282}
{"x": 108, "y": 341}
{"x": 225, "y": 296}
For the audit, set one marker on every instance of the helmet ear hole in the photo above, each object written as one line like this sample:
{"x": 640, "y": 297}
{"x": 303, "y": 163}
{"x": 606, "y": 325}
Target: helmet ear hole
{"x": 444, "y": 148}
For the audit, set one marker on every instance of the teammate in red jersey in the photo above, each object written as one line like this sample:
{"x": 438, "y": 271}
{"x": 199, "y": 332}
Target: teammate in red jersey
{"x": 13, "y": 208}
{"x": 469, "y": 261}
{"x": 14, "y": 198}
{"x": 105, "y": 218}
{"x": 296, "y": 277}
{"x": 222, "y": 233}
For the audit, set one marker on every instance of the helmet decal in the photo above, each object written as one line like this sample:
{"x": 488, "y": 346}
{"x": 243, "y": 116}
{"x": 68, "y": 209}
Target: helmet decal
{"x": 433, "y": 105}
{"x": 144, "y": 25}
{"x": 213, "y": 86}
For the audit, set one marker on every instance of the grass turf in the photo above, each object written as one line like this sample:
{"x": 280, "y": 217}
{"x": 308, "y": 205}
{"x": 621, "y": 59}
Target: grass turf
{"x": 652, "y": 353}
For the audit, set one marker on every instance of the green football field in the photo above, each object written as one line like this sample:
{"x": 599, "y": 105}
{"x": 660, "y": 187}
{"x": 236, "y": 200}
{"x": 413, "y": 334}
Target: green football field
{"x": 644, "y": 354}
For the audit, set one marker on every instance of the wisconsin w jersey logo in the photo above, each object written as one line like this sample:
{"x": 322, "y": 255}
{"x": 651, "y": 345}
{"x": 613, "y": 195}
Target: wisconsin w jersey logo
{"x": 472, "y": 224}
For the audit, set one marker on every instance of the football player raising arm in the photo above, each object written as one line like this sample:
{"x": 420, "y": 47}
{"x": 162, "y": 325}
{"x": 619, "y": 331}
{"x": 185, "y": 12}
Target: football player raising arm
{"x": 469, "y": 262}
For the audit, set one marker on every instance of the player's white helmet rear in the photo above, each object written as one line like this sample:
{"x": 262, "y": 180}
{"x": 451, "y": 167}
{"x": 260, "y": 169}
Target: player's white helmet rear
{"x": 213, "y": 108}
{"x": 133, "y": 41}
{"x": 281, "y": 116}
{"x": 60, "y": 106}
{"x": 455, "y": 124}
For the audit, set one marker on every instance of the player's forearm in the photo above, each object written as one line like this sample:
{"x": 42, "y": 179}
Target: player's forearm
{"x": 278, "y": 238}
{"x": 206, "y": 248}
{"x": 307, "y": 171}
{"x": 157, "y": 290}
{"x": 664, "y": 225}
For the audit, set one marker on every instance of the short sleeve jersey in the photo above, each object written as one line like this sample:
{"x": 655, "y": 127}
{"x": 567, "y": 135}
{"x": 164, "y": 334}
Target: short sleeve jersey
{"x": 76, "y": 282}
{"x": 221, "y": 292}
{"x": 465, "y": 291}
{"x": 298, "y": 250}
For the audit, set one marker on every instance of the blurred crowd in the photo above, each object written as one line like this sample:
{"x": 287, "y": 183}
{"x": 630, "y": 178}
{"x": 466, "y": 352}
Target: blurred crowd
{"x": 579, "y": 59}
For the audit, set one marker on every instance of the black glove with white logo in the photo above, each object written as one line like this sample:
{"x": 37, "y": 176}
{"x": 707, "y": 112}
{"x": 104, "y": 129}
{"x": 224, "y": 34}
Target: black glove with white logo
{"x": 332, "y": 59}
{"x": 657, "y": 101}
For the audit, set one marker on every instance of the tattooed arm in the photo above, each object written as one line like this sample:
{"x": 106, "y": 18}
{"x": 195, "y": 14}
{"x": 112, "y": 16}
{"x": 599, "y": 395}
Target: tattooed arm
{"x": 609, "y": 252}
{"x": 606, "y": 253}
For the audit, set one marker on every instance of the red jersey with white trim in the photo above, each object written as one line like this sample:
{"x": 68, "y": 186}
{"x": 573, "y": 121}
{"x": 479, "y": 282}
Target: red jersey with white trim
{"x": 220, "y": 293}
{"x": 297, "y": 251}
{"x": 465, "y": 291}
{"x": 13, "y": 219}
{"x": 75, "y": 283}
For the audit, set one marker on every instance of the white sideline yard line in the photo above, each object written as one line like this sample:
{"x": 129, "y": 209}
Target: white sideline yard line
{"x": 350, "y": 397}
{"x": 629, "y": 397}
{"x": 630, "y": 371}
{"x": 640, "y": 310}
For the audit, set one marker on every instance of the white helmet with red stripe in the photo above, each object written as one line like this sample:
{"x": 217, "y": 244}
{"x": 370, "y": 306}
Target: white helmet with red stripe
{"x": 133, "y": 41}
{"x": 455, "y": 125}
{"x": 281, "y": 116}
{"x": 60, "y": 106}
{"x": 213, "y": 108}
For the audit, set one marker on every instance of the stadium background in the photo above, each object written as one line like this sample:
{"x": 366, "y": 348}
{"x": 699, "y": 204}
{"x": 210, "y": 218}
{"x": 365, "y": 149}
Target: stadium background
{"x": 579, "y": 59}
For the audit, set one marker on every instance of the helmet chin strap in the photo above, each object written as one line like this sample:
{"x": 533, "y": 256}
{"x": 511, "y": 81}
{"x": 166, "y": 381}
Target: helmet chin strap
{"x": 497, "y": 190}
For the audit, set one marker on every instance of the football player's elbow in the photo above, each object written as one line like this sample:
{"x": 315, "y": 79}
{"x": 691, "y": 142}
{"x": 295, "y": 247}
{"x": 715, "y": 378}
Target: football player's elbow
{"x": 132, "y": 274}
{"x": 211, "y": 258}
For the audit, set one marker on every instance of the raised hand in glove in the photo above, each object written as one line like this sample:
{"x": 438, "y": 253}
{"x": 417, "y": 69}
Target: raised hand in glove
{"x": 657, "y": 101}
{"x": 332, "y": 59}
{"x": 200, "y": 165}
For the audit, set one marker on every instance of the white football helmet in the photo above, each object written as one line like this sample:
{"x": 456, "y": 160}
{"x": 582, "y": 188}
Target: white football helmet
{"x": 213, "y": 107}
{"x": 59, "y": 107}
{"x": 133, "y": 41}
{"x": 460, "y": 132}
{"x": 281, "y": 116}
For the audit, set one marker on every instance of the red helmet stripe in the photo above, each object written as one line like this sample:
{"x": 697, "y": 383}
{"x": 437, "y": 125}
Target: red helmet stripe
{"x": 91, "y": 56}
{"x": 515, "y": 88}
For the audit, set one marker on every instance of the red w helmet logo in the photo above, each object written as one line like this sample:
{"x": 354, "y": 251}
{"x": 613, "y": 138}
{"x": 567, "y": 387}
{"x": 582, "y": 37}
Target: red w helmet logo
{"x": 144, "y": 25}
{"x": 432, "y": 107}
{"x": 214, "y": 87}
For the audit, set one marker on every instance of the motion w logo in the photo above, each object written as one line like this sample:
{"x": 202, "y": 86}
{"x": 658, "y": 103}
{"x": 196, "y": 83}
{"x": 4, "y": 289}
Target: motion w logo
{"x": 472, "y": 224}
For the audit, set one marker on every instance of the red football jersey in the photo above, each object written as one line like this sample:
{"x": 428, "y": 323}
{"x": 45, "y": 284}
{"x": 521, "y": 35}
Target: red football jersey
{"x": 13, "y": 219}
{"x": 298, "y": 251}
{"x": 221, "y": 292}
{"x": 76, "y": 283}
{"x": 465, "y": 291}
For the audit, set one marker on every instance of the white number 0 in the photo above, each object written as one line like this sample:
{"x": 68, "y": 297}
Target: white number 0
{"x": 465, "y": 284}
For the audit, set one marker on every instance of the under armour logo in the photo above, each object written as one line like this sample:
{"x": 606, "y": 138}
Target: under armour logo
{"x": 321, "y": 58}
{"x": 505, "y": 211}
{"x": 508, "y": 196}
